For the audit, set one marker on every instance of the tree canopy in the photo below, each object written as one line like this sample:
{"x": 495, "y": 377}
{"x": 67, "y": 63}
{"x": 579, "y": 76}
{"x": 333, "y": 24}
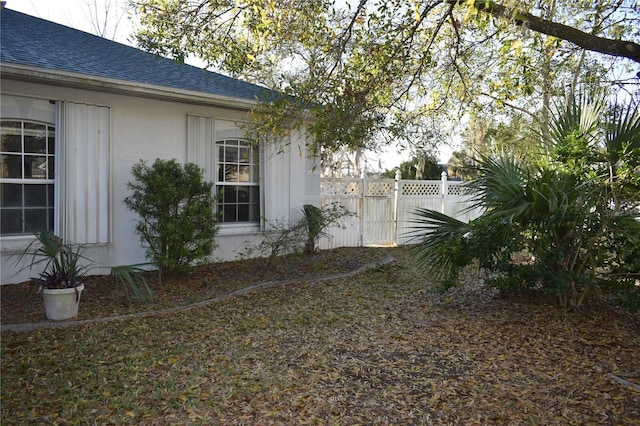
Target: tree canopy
{"x": 370, "y": 71}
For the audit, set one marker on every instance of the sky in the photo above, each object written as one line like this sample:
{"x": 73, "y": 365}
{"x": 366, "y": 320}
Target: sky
{"x": 119, "y": 27}
{"x": 76, "y": 14}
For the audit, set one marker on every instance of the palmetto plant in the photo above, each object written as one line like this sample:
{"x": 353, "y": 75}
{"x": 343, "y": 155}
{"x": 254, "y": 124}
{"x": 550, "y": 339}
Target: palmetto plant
{"x": 560, "y": 209}
{"x": 63, "y": 263}
{"x": 64, "y": 266}
{"x": 317, "y": 220}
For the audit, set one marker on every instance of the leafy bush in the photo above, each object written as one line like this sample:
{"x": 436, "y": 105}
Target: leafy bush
{"x": 575, "y": 211}
{"x": 177, "y": 222}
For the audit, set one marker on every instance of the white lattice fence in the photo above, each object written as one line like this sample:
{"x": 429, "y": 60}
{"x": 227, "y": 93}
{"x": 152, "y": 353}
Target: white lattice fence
{"x": 384, "y": 208}
{"x": 349, "y": 193}
{"x": 423, "y": 188}
{"x": 378, "y": 225}
{"x": 342, "y": 187}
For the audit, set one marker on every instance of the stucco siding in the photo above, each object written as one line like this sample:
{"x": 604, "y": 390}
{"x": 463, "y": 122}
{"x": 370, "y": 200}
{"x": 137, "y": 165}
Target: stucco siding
{"x": 148, "y": 129}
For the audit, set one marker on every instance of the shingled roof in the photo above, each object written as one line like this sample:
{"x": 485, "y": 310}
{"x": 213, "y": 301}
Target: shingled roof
{"x": 33, "y": 42}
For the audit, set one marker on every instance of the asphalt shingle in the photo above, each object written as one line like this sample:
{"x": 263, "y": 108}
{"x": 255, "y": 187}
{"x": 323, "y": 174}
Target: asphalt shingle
{"x": 31, "y": 41}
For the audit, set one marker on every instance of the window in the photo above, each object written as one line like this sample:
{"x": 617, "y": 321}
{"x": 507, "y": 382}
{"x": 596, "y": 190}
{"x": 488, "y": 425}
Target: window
{"x": 237, "y": 182}
{"x": 27, "y": 155}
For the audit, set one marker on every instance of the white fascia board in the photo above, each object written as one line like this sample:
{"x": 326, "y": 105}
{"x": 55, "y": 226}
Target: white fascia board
{"x": 111, "y": 85}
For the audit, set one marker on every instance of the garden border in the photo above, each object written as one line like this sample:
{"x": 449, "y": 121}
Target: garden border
{"x": 50, "y": 324}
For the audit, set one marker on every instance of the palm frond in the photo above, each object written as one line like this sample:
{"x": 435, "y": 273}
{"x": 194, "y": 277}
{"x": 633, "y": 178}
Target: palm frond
{"x": 130, "y": 279}
{"x": 500, "y": 186}
{"x": 435, "y": 233}
{"x": 576, "y": 116}
{"x": 622, "y": 133}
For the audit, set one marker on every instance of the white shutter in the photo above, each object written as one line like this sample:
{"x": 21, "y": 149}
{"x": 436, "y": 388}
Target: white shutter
{"x": 200, "y": 131}
{"x": 83, "y": 173}
{"x": 277, "y": 184}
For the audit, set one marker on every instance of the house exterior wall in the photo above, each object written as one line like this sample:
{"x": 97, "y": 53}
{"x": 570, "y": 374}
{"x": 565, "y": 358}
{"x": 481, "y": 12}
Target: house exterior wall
{"x": 147, "y": 129}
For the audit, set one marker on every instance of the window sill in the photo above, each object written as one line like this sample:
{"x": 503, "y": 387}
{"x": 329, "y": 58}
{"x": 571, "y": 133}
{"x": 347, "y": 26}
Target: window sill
{"x": 238, "y": 229}
{"x": 15, "y": 244}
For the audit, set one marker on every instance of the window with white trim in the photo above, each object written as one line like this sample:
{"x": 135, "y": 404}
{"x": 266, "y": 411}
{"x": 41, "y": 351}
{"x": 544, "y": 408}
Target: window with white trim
{"x": 55, "y": 169}
{"x": 27, "y": 156}
{"x": 237, "y": 181}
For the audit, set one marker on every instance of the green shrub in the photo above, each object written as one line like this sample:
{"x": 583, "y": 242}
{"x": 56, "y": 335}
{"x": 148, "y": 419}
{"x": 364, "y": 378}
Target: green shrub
{"x": 630, "y": 298}
{"x": 574, "y": 210}
{"x": 178, "y": 222}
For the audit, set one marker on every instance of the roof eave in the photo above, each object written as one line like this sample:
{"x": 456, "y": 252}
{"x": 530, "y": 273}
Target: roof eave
{"x": 11, "y": 71}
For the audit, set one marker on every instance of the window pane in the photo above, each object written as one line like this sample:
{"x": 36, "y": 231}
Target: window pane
{"x": 33, "y": 128}
{"x": 35, "y": 195}
{"x": 35, "y": 139}
{"x": 243, "y": 194}
{"x": 51, "y": 141}
{"x": 230, "y": 173}
{"x": 36, "y": 220}
{"x": 51, "y": 163}
{"x": 254, "y": 214}
{"x": 229, "y": 194}
{"x": 9, "y": 125}
{"x": 231, "y": 155}
{"x": 11, "y": 142}
{"x": 243, "y": 213}
{"x": 243, "y": 174}
{"x": 12, "y": 166}
{"x": 35, "y": 167}
{"x": 244, "y": 155}
{"x": 255, "y": 194}
{"x": 51, "y": 217}
{"x": 11, "y": 195}
{"x": 229, "y": 213}
{"x": 11, "y": 221}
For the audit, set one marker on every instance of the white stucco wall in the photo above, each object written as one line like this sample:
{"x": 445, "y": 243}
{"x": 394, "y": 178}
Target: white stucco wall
{"x": 148, "y": 129}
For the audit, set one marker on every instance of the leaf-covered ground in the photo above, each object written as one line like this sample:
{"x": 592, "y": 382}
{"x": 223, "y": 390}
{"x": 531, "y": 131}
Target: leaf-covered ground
{"x": 377, "y": 348}
{"x": 104, "y": 298}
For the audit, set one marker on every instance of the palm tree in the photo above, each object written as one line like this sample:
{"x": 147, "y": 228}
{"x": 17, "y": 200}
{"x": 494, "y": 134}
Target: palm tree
{"x": 563, "y": 209}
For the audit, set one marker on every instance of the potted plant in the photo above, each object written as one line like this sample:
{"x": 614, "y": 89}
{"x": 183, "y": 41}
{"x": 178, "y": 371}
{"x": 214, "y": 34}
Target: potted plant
{"x": 64, "y": 268}
{"x": 61, "y": 280}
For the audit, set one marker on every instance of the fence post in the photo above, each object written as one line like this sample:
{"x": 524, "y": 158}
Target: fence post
{"x": 363, "y": 205}
{"x": 444, "y": 190}
{"x": 396, "y": 206}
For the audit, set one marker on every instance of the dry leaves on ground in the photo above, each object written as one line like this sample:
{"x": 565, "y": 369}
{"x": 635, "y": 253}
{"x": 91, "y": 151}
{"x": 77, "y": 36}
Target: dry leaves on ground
{"x": 377, "y": 348}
